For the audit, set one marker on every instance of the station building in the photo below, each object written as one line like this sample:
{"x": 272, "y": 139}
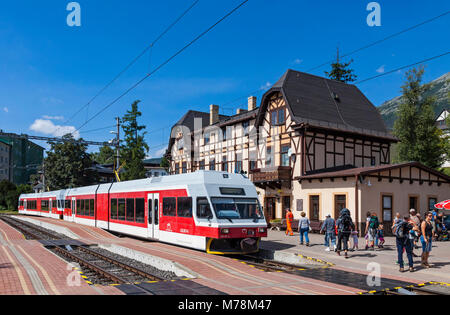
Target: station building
{"x": 314, "y": 145}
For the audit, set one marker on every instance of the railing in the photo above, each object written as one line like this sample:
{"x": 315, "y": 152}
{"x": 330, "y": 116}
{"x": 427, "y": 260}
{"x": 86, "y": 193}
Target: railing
{"x": 271, "y": 174}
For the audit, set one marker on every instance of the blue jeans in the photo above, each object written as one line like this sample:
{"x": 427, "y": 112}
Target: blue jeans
{"x": 407, "y": 244}
{"x": 305, "y": 233}
{"x": 330, "y": 236}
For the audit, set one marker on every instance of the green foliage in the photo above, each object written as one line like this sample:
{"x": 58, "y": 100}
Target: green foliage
{"x": 420, "y": 139}
{"x": 106, "y": 155}
{"x": 165, "y": 161}
{"x": 135, "y": 148}
{"x": 67, "y": 164}
{"x": 341, "y": 71}
{"x": 9, "y": 194}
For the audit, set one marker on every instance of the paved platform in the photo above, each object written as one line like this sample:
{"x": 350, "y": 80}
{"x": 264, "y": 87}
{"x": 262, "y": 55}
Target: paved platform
{"x": 360, "y": 260}
{"x": 215, "y": 272}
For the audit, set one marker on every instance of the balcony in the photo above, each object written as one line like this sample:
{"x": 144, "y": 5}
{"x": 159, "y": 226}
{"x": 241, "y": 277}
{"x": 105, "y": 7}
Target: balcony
{"x": 272, "y": 177}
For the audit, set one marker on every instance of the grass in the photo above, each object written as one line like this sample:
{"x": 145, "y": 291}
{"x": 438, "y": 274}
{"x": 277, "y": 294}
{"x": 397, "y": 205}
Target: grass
{"x": 8, "y": 212}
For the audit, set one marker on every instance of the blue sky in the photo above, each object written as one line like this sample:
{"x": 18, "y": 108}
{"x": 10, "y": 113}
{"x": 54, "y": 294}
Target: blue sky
{"x": 49, "y": 70}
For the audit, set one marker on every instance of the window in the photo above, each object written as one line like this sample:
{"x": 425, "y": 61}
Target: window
{"x": 170, "y": 207}
{"x": 202, "y": 165}
{"x": 285, "y": 155}
{"x": 212, "y": 165}
{"x": 224, "y": 164}
{"x": 184, "y": 168}
{"x": 156, "y": 212}
{"x": 130, "y": 210}
{"x": 140, "y": 210}
{"x": 203, "y": 209}
{"x": 245, "y": 128}
{"x": 67, "y": 204}
{"x": 121, "y": 210}
{"x": 92, "y": 207}
{"x": 224, "y": 133}
{"x": 268, "y": 156}
{"x": 314, "y": 208}
{"x": 278, "y": 117}
{"x": 232, "y": 191}
{"x": 177, "y": 168}
{"x": 184, "y": 207}
{"x": 237, "y": 208}
{"x": 431, "y": 202}
{"x": 387, "y": 208}
{"x": 114, "y": 209}
{"x": 238, "y": 163}
{"x": 413, "y": 203}
{"x": 44, "y": 205}
{"x": 207, "y": 138}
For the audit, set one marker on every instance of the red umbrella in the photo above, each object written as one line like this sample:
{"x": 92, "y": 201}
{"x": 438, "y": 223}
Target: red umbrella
{"x": 444, "y": 205}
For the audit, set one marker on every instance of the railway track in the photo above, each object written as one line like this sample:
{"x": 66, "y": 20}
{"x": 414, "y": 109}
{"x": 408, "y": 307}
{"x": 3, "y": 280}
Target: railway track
{"x": 97, "y": 267}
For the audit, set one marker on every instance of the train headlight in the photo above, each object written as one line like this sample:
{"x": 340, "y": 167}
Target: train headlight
{"x": 225, "y": 231}
{"x": 262, "y": 230}
{"x": 251, "y": 232}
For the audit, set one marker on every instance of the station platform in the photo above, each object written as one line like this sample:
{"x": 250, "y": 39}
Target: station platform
{"x": 26, "y": 267}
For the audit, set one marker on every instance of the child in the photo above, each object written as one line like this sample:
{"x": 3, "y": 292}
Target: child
{"x": 355, "y": 240}
{"x": 381, "y": 236}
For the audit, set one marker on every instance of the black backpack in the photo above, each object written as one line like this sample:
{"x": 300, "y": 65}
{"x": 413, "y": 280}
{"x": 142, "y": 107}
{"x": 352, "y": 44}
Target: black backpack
{"x": 346, "y": 223}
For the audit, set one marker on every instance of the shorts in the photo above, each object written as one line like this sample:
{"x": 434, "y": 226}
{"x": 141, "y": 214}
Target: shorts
{"x": 372, "y": 235}
{"x": 426, "y": 248}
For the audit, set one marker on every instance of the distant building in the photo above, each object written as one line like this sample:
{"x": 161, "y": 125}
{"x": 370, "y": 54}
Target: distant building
{"x": 5, "y": 160}
{"x": 154, "y": 169}
{"x": 25, "y": 158}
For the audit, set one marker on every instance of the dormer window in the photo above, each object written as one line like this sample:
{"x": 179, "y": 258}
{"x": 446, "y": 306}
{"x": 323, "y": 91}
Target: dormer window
{"x": 278, "y": 117}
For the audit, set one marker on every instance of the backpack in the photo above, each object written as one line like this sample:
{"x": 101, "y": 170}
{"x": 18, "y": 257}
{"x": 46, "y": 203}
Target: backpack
{"x": 399, "y": 229}
{"x": 374, "y": 223}
{"x": 346, "y": 224}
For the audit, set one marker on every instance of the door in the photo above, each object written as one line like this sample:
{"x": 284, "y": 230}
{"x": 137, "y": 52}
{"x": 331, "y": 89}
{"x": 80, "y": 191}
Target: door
{"x": 269, "y": 209}
{"x": 340, "y": 202}
{"x": 74, "y": 202}
{"x": 153, "y": 216}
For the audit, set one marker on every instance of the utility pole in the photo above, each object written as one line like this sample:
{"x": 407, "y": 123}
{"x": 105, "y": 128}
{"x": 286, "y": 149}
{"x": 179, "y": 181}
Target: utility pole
{"x": 43, "y": 175}
{"x": 118, "y": 144}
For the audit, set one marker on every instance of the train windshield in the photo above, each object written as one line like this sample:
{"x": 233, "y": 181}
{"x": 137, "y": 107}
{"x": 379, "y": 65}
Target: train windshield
{"x": 237, "y": 208}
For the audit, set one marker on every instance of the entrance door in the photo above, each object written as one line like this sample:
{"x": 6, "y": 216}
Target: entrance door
{"x": 340, "y": 202}
{"x": 74, "y": 202}
{"x": 153, "y": 216}
{"x": 269, "y": 209}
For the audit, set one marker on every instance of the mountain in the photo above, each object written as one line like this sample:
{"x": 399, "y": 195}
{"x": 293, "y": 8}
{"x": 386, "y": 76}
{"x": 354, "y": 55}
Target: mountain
{"x": 439, "y": 88}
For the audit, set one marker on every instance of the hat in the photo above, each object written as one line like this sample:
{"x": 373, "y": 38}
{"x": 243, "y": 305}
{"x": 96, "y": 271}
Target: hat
{"x": 412, "y": 210}
{"x": 329, "y": 216}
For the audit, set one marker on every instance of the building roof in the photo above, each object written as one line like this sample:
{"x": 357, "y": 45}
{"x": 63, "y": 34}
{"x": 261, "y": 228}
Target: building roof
{"x": 152, "y": 162}
{"x": 5, "y": 142}
{"x": 363, "y": 171}
{"x": 321, "y": 102}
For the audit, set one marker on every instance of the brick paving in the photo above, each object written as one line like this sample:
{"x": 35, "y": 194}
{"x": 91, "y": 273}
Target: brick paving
{"x": 217, "y": 272}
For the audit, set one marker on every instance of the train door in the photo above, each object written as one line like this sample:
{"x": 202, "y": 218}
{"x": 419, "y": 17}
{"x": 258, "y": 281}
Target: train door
{"x": 153, "y": 216}
{"x": 74, "y": 202}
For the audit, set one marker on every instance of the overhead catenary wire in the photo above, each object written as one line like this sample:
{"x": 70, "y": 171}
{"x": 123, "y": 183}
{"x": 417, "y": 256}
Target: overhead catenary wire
{"x": 403, "y": 67}
{"x": 135, "y": 60}
{"x": 163, "y": 64}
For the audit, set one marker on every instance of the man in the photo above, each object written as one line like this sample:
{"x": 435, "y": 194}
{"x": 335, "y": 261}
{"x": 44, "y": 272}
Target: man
{"x": 345, "y": 227}
{"x": 372, "y": 225}
{"x": 402, "y": 231}
{"x": 289, "y": 222}
{"x": 328, "y": 226}
{"x": 416, "y": 221}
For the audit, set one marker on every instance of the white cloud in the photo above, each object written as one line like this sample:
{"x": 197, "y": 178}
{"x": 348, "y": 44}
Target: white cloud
{"x": 266, "y": 86}
{"x": 53, "y": 117}
{"x": 47, "y": 127}
{"x": 298, "y": 61}
{"x": 5, "y": 109}
{"x": 381, "y": 69}
{"x": 51, "y": 101}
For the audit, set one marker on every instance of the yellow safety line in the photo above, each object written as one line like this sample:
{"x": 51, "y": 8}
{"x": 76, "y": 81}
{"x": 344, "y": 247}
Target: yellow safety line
{"x": 19, "y": 273}
{"x": 46, "y": 276}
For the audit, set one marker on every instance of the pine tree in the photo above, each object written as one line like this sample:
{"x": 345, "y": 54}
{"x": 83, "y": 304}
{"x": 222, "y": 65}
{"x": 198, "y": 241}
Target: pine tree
{"x": 106, "y": 155}
{"x": 420, "y": 139}
{"x": 341, "y": 72}
{"x": 135, "y": 148}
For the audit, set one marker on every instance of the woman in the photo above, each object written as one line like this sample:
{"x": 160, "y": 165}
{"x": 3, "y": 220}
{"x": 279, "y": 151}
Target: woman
{"x": 427, "y": 239}
{"x": 303, "y": 228}
{"x": 366, "y": 234}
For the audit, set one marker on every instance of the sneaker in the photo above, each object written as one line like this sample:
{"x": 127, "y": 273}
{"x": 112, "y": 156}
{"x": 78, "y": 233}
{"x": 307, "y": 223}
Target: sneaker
{"x": 346, "y": 255}
{"x": 411, "y": 269}
{"x": 327, "y": 249}
{"x": 402, "y": 270}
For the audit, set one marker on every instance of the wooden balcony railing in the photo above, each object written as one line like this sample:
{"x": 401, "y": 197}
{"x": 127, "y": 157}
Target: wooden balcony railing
{"x": 271, "y": 174}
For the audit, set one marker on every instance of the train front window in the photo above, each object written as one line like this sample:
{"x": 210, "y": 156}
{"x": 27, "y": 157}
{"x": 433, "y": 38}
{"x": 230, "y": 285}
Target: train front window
{"x": 237, "y": 208}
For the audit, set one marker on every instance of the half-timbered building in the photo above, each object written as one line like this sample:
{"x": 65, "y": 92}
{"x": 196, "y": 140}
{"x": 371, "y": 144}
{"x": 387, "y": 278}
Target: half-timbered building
{"x": 311, "y": 146}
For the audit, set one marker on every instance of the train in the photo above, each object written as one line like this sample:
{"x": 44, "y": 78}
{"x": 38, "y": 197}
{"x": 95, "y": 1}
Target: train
{"x": 211, "y": 211}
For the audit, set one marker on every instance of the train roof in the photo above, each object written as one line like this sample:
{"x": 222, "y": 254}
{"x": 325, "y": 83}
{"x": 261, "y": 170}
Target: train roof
{"x": 180, "y": 181}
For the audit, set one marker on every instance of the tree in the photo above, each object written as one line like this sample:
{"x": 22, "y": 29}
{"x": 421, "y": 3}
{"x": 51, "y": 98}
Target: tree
{"x": 341, "y": 71}
{"x": 135, "y": 148}
{"x": 165, "y": 161}
{"x": 415, "y": 127}
{"x": 5, "y": 187}
{"x": 106, "y": 155}
{"x": 67, "y": 165}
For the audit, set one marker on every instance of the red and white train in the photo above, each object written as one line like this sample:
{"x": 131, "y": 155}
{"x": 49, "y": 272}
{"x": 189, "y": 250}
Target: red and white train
{"x": 215, "y": 212}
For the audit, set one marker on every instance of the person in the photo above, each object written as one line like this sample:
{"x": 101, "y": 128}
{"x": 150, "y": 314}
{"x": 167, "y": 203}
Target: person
{"x": 372, "y": 229}
{"x": 355, "y": 239}
{"x": 433, "y": 222}
{"x": 328, "y": 226}
{"x": 401, "y": 231}
{"x": 289, "y": 222}
{"x": 303, "y": 228}
{"x": 381, "y": 236}
{"x": 414, "y": 216}
{"x": 366, "y": 235}
{"x": 345, "y": 227}
{"x": 427, "y": 239}
{"x": 397, "y": 219}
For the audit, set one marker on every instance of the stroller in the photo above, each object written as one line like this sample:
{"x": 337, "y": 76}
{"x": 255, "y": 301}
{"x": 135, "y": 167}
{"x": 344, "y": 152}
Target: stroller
{"x": 442, "y": 231}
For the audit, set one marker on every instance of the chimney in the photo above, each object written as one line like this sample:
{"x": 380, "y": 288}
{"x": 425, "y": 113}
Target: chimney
{"x": 241, "y": 111}
{"x": 213, "y": 114}
{"x": 251, "y": 103}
